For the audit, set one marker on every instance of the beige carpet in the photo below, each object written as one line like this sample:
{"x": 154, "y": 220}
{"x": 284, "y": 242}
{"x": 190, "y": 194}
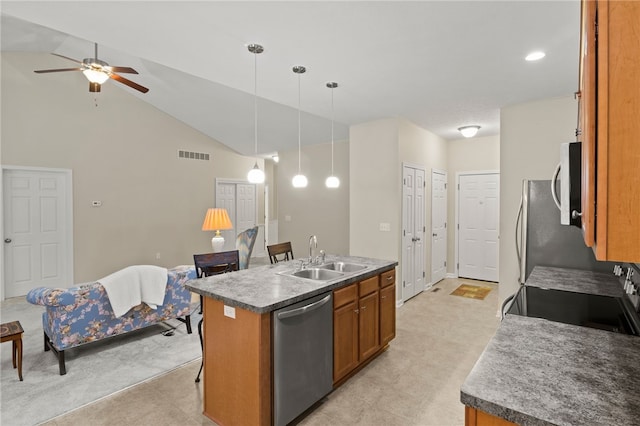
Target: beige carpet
{"x": 94, "y": 371}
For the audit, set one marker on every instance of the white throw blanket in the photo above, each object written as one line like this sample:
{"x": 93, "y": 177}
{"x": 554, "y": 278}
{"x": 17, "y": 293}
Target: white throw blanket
{"x": 133, "y": 285}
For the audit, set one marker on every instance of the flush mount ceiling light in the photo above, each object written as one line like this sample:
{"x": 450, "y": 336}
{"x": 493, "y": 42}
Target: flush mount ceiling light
{"x": 276, "y": 158}
{"x": 332, "y": 181}
{"x": 469, "y": 131}
{"x": 299, "y": 180}
{"x": 255, "y": 175}
{"x": 535, "y": 56}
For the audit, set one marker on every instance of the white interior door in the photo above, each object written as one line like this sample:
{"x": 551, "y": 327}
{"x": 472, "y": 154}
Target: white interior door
{"x": 438, "y": 225}
{"x": 413, "y": 231}
{"x": 240, "y": 201}
{"x": 478, "y": 221}
{"x": 37, "y": 213}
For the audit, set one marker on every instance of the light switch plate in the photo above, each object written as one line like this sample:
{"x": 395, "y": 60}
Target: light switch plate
{"x": 385, "y": 226}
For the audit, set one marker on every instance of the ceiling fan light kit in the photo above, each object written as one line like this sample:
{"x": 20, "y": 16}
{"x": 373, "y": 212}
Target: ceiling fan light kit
{"x": 98, "y": 72}
{"x": 255, "y": 175}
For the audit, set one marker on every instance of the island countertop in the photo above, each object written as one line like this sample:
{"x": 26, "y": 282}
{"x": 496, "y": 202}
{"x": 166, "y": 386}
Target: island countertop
{"x": 267, "y": 288}
{"x": 539, "y": 372}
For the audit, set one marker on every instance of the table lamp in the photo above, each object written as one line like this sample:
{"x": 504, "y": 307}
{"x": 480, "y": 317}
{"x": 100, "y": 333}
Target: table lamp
{"x": 217, "y": 220}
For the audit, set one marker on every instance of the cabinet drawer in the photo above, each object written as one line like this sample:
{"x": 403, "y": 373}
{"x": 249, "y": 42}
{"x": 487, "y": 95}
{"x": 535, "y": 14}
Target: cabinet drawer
{"x": 368, "y": 286}
{"x": 387, "y": 278}
{"x": 345, "y": 295}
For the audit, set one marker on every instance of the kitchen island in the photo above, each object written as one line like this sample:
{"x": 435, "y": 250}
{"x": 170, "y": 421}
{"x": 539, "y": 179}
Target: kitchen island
{"x": 540, "y": 372}
{"x": 238, "y": 329}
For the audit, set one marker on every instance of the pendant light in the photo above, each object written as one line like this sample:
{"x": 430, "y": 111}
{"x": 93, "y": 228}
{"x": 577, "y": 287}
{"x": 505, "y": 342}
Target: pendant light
{"x": 255, "y": 175}
{"x": 332, "y": 181}
{"x": 299, "y": 180}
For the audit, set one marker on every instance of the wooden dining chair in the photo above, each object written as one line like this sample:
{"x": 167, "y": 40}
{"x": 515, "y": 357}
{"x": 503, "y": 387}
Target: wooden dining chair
{"x": 209, "y": 264}
{"x": 276, "y": 250}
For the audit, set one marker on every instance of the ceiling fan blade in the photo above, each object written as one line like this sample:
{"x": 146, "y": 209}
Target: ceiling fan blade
{"x": 57, "y": 70}
{"x": 129, "y": 83}
{"x": 66, "y": 57}
{"x": 126, "y": 70}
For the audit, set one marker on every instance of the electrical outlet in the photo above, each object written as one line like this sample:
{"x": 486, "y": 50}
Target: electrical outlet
{"x": 96, "y": 203}
{"x": 229, "y": 311}
{"x": 385, "y": 226}
{"x": 157, "y": 255}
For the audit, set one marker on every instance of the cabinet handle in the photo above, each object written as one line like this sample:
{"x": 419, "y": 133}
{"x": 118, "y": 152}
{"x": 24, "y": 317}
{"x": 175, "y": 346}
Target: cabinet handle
{"x": 363, "y": 307}
{"x": 357, "y": 311}
{"x": 383, "y": 297}
{"x": 389, "y": 278}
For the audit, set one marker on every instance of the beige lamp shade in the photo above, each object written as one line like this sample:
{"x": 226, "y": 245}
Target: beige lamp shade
{"x": 217, "y": 220}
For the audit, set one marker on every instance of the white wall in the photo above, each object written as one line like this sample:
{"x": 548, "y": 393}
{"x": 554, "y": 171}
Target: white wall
{"x": 122, "y": 152}
{"x": 465, "y": 155}
{"x": 375, "y": 173}
{"x": 316, "y": 209}
{"x": 531, "y": 134}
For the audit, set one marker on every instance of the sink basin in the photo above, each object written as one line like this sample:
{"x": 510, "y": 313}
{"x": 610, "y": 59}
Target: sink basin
{"x": 343, "y": 267}
{"x": 317, "y": 274}
{"x": 588, "y": 310}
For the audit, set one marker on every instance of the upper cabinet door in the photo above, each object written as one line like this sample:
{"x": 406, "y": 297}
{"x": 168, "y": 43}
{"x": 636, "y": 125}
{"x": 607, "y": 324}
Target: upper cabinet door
{"x": 610, "y": 126}
{"x": 587, "y": 120}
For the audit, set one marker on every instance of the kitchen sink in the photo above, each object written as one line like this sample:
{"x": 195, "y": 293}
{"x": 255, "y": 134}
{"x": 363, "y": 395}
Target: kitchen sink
{"x": 342, "y": 267}
{"x": 587, "y": 310}
{"x": 318, "y": 274}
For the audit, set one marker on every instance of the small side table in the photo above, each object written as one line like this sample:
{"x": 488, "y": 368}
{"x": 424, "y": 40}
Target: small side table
{"x": 12, "y": 331}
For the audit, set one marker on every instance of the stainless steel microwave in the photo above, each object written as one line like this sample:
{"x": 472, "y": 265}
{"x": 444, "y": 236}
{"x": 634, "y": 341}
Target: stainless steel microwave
{"x": 571, "y": 183}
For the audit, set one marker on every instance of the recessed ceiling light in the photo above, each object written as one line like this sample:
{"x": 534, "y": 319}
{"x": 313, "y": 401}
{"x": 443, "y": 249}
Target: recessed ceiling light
{"x": 535, "y": 56}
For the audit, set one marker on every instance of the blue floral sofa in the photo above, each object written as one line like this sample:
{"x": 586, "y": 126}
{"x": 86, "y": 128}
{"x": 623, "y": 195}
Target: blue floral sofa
{"x": 79, "y": 315}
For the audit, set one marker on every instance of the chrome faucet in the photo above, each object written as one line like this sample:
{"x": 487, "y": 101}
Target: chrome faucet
{"x": 313, "y": 242}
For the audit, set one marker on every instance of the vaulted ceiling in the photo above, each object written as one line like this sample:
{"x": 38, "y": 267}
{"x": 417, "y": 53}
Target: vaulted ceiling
{"x": 439, "y": 64}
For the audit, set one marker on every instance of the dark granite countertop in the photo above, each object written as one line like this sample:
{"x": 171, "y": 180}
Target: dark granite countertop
{"x": 266, "y": 288}
{"x": 575, "y": 280}
{"x": 539, "y": 372}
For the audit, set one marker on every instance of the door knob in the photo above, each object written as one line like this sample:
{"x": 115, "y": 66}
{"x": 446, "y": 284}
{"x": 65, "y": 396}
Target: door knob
{"x": 7, "y": 240}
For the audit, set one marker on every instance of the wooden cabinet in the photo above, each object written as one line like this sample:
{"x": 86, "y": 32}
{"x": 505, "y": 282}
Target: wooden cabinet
{"x": 369, "y": 318}
{"x": 387, "y": 307}
{"x": 609, "y": 128}
{"x": 345, "y": 331}
{"x": 475, "y": 417}
{"x": 363, "y": 322}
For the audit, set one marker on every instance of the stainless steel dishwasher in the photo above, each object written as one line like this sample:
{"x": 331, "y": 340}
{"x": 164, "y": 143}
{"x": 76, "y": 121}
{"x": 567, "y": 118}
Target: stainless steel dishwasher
{"x": 302, "y": 356}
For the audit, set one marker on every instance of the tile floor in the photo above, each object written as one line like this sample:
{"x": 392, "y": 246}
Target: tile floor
{"x": 415, "y": 382}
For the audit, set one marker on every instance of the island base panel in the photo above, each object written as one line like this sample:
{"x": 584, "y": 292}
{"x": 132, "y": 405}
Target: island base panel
{"x": 475, "y": 417}
{"x": 237, "y": 366}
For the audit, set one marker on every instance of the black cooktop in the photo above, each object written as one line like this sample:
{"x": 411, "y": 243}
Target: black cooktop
{"x": 588, "y": 310}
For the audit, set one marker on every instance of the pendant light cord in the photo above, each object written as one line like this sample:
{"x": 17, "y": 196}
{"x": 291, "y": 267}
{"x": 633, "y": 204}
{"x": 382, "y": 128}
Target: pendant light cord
{"x": 299, "y": 143}
{"x": 255, "y": 101}
{"x": 332, "y": 119}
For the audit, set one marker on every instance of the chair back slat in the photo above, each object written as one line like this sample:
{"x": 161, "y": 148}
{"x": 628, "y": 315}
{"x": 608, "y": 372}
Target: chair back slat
{"x": 283, "y": 250}
{"x": 208, "y": 264}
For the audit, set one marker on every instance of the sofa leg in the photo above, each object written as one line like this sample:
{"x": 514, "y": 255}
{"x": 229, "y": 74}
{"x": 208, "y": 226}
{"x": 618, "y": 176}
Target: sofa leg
{"x": 48, "y": 346}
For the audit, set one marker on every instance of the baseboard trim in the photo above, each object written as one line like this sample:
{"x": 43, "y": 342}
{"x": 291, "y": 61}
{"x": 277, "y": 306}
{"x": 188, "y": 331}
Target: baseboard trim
{"x": 451, "y": 275}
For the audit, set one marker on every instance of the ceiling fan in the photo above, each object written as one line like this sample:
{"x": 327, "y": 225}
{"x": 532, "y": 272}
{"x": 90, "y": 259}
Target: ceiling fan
{"x": 97, "y": 72}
